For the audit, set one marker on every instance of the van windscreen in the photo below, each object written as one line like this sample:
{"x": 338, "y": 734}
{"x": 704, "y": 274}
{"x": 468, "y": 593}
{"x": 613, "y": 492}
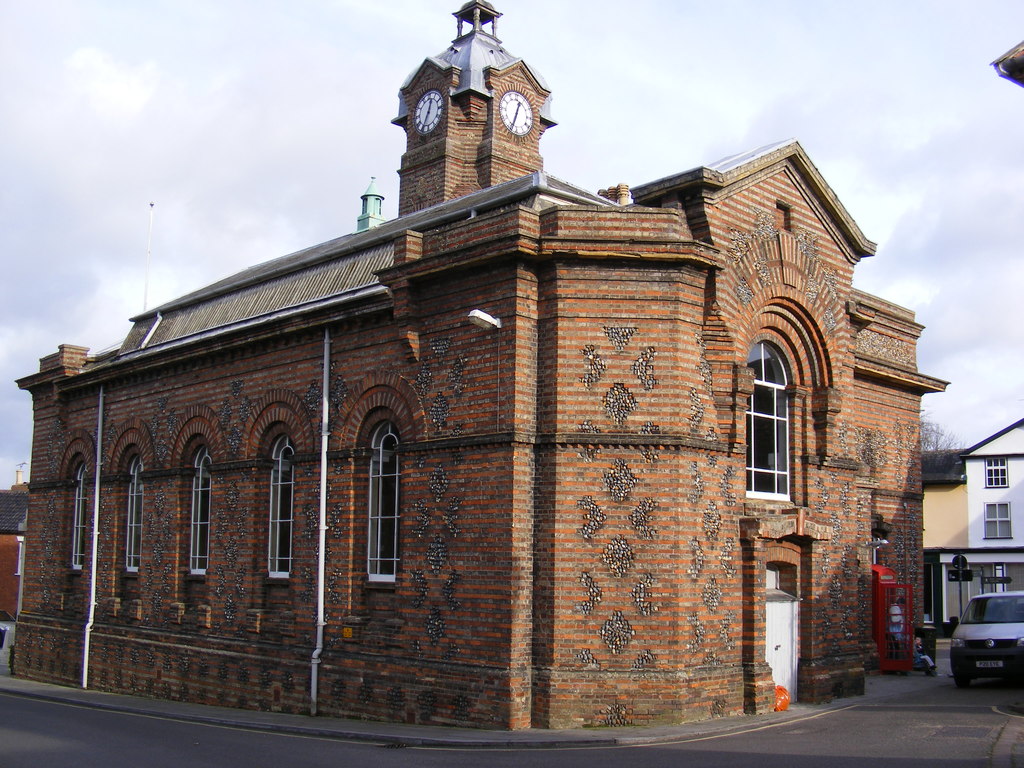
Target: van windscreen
{"x": 994, "y": 610}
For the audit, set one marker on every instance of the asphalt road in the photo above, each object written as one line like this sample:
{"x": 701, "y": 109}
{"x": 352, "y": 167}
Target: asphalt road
{"x": 934, "y": 726}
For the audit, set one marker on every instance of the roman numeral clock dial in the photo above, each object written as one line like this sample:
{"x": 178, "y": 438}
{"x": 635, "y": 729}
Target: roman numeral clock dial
{"x": 428, "y": 111}
{"x": 516, "y": 113}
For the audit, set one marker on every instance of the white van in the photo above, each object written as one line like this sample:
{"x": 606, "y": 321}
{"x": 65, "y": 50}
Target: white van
{"x": 989, "y": 640}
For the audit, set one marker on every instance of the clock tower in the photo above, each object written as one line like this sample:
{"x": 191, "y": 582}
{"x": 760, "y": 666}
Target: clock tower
{"x": 473, "y": 116}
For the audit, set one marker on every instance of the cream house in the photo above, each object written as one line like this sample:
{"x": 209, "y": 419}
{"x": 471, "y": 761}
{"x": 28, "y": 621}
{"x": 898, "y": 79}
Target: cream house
{"x": 973, "y": 500}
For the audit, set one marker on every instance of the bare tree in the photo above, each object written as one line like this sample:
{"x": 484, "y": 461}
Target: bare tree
{"x": 935, "y": 437}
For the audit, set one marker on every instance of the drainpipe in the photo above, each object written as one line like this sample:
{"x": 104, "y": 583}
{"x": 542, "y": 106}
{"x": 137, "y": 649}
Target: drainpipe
{"x": 325, "y": 431}
{"x": 95, "y": 542}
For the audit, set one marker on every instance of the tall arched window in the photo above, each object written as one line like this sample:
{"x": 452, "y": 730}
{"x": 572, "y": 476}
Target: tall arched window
{"x": 282, "y": 483}
{"x": 78, "y": 520}
{"x": 133, "y": 518}
{"x": 768, "y": 425}
{"x": 199, "y": 549}
{"x": 382, "y": 557}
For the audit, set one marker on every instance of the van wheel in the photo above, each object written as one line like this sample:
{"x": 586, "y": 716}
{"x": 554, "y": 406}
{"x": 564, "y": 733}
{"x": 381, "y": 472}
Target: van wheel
{"x": 961, "y": 681}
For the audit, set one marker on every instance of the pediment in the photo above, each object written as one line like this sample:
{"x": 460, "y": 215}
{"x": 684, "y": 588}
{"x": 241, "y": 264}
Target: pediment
{"x": 718, "y": 182}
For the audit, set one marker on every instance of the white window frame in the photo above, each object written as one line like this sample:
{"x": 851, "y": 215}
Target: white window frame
{"x": 384, "y": 516}
{"x": 997, "y": 515}
{"x": 202, "y": 493}
{"x": 78, "y": 521}
{"x": 282, "y": 505}
{"x": 996, "y": 473}
{"x": 133, "y": 518}
{"x": 768, "y": 478}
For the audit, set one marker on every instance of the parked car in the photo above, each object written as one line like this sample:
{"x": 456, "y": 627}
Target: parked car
{"x": 989, "y": 640}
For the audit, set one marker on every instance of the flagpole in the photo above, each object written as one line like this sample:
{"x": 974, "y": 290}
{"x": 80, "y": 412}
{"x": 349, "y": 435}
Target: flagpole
{"x": 149, "y": 255}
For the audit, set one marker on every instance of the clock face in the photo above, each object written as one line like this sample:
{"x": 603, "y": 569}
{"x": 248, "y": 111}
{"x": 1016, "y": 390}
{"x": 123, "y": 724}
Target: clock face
{"x": 516, "y": 113}
{"x": 428, "y": 111}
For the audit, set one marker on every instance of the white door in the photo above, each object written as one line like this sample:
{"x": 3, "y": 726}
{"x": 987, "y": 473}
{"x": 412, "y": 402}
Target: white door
{"x": 782, "y": 617}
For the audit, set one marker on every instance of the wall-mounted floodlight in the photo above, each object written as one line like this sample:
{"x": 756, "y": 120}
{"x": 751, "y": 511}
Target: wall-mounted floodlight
{"x": 480, "y": 318}
{"x": 875, "y": 544}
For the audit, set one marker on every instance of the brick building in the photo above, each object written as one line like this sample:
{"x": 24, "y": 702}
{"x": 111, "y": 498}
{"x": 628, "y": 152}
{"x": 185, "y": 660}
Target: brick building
{"x": 524, "y": 456}
{"x": 13, "y": 506}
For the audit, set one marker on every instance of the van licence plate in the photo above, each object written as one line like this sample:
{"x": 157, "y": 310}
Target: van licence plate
{"x": 989, "y": 664}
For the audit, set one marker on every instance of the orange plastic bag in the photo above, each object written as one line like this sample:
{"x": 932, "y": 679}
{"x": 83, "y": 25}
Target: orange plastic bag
{"x": 781, "y": 699}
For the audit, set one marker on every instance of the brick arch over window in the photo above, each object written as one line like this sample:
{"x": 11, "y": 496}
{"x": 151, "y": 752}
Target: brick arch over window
{"x": 199, "y": 427}
{"x": 133, "y": 439}
{"x": 80, "y": 449}
{"x": 283, "y": 408}
{"x": 794, "y": 331}
{"x": 783, "y": 553}
{"x": 390, "y": 395}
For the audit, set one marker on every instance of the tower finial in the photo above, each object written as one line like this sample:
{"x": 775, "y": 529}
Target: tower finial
{"x": 372, "y": 215}
{"x": 477, "y": 13}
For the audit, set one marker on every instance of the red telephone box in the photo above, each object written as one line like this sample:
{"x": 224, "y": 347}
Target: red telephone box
{"x": 892, "y": 620}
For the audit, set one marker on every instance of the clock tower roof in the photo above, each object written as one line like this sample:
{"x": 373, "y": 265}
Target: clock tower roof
{"x": 473, "y": 115}
{"x": 475, "y": 50}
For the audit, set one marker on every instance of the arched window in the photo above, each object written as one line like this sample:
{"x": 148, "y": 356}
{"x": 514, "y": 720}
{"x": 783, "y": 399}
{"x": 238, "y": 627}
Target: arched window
{"x": 382, "y": 557}
{"x": 78, "y": 520}
{"x": 199, "y": 549}
{"x": 768, "y": 425}
{"x": 282, "y": 483}
{"x": 133, "y": 518}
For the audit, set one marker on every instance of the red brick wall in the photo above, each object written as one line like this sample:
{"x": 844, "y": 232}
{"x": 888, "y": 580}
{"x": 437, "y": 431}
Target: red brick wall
{"x": 9, "y": 567}
{"x": 577, "y": 544}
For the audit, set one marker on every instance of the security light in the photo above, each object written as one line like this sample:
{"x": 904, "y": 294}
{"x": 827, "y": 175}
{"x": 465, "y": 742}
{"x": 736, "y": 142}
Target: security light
{"x": 484, "y": 320}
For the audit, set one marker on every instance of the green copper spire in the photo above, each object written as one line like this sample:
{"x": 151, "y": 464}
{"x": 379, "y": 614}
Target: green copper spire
{"x": 371, "y": 215}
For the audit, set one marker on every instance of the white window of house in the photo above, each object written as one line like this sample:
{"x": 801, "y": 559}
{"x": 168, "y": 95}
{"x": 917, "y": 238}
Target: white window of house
{"x": 133, "y": 518}
{"x": 768, "y": 425}
{"x": 199, "y": 550}
{"x": 997, "y": 521}
{"x": 382, "y": 558}
{"x": 282, "y": 484}
{"x": 78, "y": 521}
{"x": 995, "y": 473}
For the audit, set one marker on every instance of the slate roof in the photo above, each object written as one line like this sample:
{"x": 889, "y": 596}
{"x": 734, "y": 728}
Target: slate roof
{"x": 942, "y": 468}
{"x": 13, "y": 507}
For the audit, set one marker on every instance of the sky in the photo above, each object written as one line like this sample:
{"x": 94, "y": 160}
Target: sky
{"x": 253, "y": 126}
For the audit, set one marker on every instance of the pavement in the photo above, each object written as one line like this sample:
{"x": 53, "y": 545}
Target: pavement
{"x": 877, "y": 686}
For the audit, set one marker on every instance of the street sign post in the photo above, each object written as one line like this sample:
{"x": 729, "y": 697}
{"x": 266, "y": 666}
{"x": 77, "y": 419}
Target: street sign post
{"x": 959, "y": 572}
{"x": 993, "y": 580}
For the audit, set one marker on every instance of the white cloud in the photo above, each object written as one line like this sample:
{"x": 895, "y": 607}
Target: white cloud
{"x": 255, "y": 128}
{"x": 113, "y": 90}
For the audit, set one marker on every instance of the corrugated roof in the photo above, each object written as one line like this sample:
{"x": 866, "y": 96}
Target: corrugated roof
{"x": 338, "y": 269}
{"x": 265, "y": 297}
